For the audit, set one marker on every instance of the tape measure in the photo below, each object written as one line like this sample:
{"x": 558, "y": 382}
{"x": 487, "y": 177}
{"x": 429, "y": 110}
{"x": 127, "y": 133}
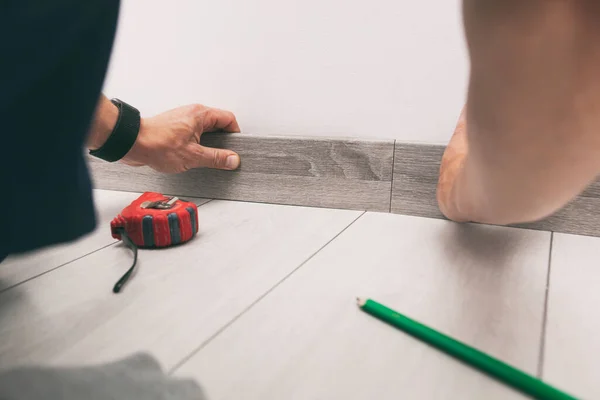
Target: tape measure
{"x": 154, "y": 220}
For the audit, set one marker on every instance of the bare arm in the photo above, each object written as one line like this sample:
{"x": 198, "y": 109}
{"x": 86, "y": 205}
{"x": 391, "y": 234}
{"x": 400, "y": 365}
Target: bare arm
{"x": 170, "y": 142}
{"x": 530, "y": 135}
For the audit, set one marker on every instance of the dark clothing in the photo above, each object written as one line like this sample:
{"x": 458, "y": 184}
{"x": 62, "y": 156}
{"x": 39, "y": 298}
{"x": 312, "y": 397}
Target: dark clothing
{"x": 53, "y": 60}
{"x": 138, "y": 376}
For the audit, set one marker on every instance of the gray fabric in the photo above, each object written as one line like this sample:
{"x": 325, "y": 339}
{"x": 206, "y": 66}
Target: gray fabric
{"x": 136, "y": 377}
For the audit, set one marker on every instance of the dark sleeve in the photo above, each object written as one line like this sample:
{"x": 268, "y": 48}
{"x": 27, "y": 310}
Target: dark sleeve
{"x": 138, "y": 376}
{"x": 53, "y": 60}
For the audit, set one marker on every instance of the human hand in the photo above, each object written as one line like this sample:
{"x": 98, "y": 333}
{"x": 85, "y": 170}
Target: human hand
{"x": 450, "y": 167}
{"x": 170, "y": 142}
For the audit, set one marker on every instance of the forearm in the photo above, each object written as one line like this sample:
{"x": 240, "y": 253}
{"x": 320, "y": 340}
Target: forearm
{"x": 495, "y": 185}
{"x": 533, "y": 111}
{"x": 105, "y": 119}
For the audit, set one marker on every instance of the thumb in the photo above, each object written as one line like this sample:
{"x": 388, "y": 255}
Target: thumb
{"x": 208, "y": 157}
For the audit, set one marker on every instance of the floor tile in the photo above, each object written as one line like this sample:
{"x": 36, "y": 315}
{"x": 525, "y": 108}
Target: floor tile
{"x": 308, "y": 340}
{"x": 178, "y": 298}
{"x": 16, "y": 269}
{"x": 572, "y": 342}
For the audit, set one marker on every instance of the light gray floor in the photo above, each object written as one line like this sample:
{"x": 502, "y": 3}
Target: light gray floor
{"x": 572, "y": 356}
{"x": 17, "y": 269}
{"x": 261, "y": 304}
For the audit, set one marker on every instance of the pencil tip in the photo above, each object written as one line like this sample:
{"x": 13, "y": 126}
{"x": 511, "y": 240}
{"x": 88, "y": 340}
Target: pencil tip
{"x": 360, "y": 302}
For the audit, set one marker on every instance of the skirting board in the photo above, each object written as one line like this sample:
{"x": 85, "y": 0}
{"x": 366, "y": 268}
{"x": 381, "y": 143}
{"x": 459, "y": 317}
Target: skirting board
{"x": 318, "y": 172}
{"x": 372, "y": 175}
{"x": 416, "y": 170}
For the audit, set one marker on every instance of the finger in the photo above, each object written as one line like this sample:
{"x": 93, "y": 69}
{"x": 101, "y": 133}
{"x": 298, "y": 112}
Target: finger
{"x": 208, "y": 157}
{"x": 214, "y": 119}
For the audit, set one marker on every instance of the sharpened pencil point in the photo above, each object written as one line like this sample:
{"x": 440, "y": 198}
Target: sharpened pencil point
{"x": 360, "y": 302}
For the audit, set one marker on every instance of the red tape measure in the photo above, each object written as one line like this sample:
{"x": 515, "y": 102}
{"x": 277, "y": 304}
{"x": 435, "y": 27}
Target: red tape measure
{"x": 154, "y": 220}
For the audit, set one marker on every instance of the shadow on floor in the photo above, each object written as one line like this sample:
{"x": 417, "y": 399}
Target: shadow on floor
{"x": 484, "y": 244}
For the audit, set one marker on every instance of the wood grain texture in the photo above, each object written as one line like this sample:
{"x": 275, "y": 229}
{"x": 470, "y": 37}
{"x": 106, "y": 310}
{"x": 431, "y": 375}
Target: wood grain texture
{"x": 179, "y": 296}
{"x": 572, "y": 341}
{"x": 338, "y": 173}
{"x": 416, "y": 171}
{"x": 592, "y": 190}
{"x": 317, "y": 172}
{"x": 581, "y": 217}
{"x": 16, "y": 269}
{"x": 308, "y": 340}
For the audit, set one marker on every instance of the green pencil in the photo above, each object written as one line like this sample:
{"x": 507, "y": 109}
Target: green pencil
{"x": 511, "y": 376}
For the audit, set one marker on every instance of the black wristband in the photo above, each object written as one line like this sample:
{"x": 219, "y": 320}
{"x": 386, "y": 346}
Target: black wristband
{"x": 123, "y": 136}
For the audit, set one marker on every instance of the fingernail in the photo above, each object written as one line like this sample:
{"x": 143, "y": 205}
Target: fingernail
{"x": 232, "y": 162}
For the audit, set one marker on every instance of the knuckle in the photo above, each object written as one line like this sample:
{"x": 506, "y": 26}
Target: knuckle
{"x": 219, "y": 159}
{"x": 195, "y": 113}
{"x": 197, "y": 108}
{"x": 185, "y": 128}
{"x": 178, "y": 167}
{"x": 210, "y": 115}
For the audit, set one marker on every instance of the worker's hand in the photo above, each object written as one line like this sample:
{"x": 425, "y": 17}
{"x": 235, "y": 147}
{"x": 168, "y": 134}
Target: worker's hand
{"x": 451, "y": 165}
{"x": 170, "y": 142}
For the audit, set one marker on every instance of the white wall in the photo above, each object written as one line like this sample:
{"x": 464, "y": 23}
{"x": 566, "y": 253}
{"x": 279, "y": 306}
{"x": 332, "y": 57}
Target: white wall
{"x": 379, "y": 68}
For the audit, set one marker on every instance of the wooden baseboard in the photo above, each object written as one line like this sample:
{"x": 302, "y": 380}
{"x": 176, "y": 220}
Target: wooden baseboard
{"x": 416, "y": 169}
{"x": 372, "y": 175}
{"x": 318, "y": 172}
